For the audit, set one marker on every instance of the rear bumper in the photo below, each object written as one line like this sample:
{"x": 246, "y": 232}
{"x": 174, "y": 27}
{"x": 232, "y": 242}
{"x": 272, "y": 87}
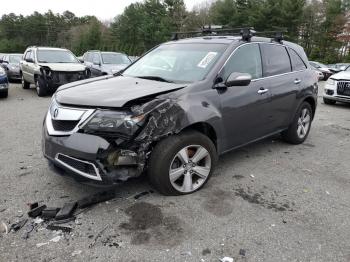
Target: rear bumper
{"x": 84, "y": 158}
{"x": 3, "y": 83}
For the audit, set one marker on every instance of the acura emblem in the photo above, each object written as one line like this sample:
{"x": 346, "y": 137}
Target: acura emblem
{"x": 55, "y": 113}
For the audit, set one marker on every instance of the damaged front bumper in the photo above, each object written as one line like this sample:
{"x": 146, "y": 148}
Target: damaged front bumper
{"x": 100, "y": 157}
{"x": 55, "y": 79}
{"x": 90, "y": 158}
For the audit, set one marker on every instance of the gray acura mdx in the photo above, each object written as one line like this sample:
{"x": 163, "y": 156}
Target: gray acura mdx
{"x": 176, "y": 109}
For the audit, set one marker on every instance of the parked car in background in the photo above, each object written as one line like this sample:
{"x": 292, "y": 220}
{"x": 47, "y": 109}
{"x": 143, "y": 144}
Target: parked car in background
{"x": 4, "y": 85}
{"x": 174, "y": 110}
{"x": 105, "y": 63}
{"x": 317, "y": 72}
{"x": 336, "y": 68}
{"x": 10, "y": 62}
{"x": 48, "y": 68}
{"x": 337, "y": 88}
{"x": 326, "y": 71}
{"x": 133, "y": 58}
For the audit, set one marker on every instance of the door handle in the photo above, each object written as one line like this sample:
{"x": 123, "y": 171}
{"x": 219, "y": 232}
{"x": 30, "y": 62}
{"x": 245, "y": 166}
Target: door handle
{"x": 297, "y": 81}
{"x": 262, "y": 91}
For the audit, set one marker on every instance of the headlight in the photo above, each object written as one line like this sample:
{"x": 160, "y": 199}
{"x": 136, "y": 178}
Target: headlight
{"x": 2, "y": 72}
{"x": 114, "y": 122}
{"x": 331, "y": 82}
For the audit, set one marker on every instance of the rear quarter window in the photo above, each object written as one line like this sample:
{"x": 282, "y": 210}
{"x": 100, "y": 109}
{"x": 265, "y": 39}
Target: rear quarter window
{"x": 275, "y": 59}
{"x": 297, "y": 62}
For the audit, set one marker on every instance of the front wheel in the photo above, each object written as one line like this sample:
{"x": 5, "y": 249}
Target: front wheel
{"x": 301, "y": 125}
{"x": 41, "y": 86}
{"x": 182, "y": 164}
{"x": 25, "y": 84}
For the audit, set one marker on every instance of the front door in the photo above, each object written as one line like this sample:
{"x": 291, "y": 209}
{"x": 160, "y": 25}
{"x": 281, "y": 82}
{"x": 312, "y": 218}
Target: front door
{"x": 245, "y": 109}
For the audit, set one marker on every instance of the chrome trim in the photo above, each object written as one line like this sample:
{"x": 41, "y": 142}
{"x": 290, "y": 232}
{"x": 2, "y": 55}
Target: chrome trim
{"x": 97, "y": 177}
{"x": 69, "y": 113}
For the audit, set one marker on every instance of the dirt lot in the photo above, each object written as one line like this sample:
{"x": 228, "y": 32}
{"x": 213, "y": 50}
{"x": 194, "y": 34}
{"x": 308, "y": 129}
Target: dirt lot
{"x": 269, "y": 201}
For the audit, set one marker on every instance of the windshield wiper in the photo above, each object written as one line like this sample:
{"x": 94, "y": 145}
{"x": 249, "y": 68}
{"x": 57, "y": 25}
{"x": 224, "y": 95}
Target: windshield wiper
{"x": 155, "y": 78}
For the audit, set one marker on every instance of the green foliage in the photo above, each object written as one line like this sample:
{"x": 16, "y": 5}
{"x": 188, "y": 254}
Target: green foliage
{"x": 315, "y": 24}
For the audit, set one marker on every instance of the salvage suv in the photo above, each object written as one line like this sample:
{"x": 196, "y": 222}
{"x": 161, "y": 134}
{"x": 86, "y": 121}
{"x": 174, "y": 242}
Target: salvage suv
{"x": 176, "y": 109}
{"x": 48, "y": 68}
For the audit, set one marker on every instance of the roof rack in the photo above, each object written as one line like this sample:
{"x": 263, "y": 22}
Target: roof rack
{"x": 246, "y": 32}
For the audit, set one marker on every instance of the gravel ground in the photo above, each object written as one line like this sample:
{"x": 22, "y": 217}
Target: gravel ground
{"x": 269, "y": 201}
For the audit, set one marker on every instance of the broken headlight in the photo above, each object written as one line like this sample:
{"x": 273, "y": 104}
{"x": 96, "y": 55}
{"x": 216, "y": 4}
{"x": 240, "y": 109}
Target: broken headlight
{"x": 114, "y": 122}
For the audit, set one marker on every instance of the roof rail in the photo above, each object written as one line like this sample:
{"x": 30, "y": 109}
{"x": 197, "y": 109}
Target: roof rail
{"x": 246, "y": 32}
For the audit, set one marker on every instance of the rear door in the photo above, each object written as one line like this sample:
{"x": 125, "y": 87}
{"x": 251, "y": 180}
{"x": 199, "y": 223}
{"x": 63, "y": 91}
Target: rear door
{"x": 283, "y": 83}
{"x": 245, "y": 109}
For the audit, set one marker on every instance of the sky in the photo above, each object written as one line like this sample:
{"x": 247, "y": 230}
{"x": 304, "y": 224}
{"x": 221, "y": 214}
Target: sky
{"x": 103, "y": 9}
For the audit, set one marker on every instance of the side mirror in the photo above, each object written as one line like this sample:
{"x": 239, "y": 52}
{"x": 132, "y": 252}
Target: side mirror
{"x": 5, "y": 62}
{"x": 29, "y": 60}
{"x": 238, "y": 79}
{"x": 81, "y": 60}
{"x": 96, "y": 63}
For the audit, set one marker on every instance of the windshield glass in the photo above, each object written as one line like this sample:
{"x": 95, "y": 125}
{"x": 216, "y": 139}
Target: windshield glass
{"x": 177, "y": 62}
{"x": 56, "y": 56}
{"x": 15, "y": 59}
{"x": 115, "y": 59}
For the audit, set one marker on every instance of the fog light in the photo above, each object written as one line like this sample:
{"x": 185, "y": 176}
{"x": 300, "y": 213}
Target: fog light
{"x": 329, "y": 92}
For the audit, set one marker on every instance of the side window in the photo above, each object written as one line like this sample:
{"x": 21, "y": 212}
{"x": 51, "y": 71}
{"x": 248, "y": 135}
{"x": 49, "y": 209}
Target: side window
{"x": 32, "y": 55}
{"x": 275, "y": 59}
{"x": 297, "y": 62}
{"x": 96, "y": 58}
{"x": 246, "y": 59}
{"x": 27, "y": 55}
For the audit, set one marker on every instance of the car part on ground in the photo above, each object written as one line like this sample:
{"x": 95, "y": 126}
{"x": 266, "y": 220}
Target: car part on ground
{"x": 173, "y": 111}
{"x": 48, "y": 68}
{"x": 337, "y": 88}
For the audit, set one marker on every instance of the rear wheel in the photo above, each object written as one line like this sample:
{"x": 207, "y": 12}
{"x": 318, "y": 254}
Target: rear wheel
{"x": 300, "y": 127}
{"x": 329, "y": 101}
{"x": 25, "y": 84}
{"x": 41, "y": 86}
{"x": 182, "y": 164}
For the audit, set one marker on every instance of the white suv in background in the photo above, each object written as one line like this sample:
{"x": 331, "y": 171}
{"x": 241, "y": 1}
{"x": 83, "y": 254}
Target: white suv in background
{"x": 337, "y": 88}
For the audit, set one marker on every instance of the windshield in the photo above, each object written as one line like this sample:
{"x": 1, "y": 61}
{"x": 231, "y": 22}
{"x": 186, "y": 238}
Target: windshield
{"x": 56, "y": 56}
{"x": 115, "y": 59}
{"x": 15, "y": 59}
{"x": 177, "y": 62}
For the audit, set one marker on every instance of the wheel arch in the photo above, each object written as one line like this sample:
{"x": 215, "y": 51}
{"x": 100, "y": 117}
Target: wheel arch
{"x": 204, "y": 128}
{"x": 312, "y": 103}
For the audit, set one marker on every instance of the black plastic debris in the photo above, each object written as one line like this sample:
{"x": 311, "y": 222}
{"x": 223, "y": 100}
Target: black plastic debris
{"x": 96, "y": 198}
{"x": 36, "y": 211}
{"x": 66, "y": 211}
{"x": 57, "y": 228}
{"x": 33, "y": 205}
{"x": 142, "y": 194}
{"x": 63, "y": 221}
{"x": 242, "y": 252}
{"x": 17, "y": 226}
{"x": 50, "y": 212}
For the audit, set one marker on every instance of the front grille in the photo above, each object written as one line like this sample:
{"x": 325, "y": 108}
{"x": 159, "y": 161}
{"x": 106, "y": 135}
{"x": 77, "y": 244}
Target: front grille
{"x": 67, "y": 77}
{"x": 64, "y": 125}
{"x": 77, "y": 164}
{"x": 343, "y": 88}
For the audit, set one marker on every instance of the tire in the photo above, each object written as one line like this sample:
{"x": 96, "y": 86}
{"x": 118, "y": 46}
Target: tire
{"x": 4, "y": 94}
{"x": 329, "y": 101}
{"x": 25, "y": 84}
{"x": 41, "y": 86}
{"x": 166, "y": 156}
{"x": 296, "y": 134}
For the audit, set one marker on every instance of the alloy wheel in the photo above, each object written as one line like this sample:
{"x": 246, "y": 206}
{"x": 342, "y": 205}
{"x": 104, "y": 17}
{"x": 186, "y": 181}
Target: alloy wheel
{"x": 190, "y": 168}
{"x": 303, "y": 123}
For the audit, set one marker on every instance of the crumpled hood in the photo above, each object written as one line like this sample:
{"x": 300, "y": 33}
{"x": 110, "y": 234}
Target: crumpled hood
{"x": 65, "y": 67}
{"x": 109, "y": 91}
{"x": 344, "y": 75}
